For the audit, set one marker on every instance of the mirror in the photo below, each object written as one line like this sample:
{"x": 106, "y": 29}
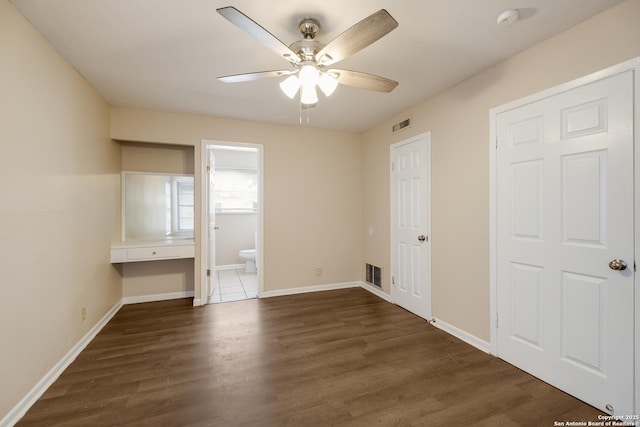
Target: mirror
{"x": 157, "y": 206}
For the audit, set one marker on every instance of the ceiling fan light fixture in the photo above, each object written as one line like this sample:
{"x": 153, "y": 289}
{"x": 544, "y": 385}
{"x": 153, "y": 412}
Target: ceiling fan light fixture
{"x": 309, "y": 75}
{"x": 308, "y": 94}
{"x": 327, "y": 83}
{"x": 290, "y": 86}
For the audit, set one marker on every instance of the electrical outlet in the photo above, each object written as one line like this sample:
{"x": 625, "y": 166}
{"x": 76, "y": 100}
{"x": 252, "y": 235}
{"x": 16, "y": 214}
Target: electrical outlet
{"x": 83, "y": 313}
{"x": 319, "y": 271}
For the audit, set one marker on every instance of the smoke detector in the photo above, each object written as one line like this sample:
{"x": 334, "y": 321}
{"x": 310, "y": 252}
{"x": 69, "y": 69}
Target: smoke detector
{"x": 508, "y": 17}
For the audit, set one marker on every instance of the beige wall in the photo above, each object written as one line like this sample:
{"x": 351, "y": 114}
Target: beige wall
{"x": 59, "y": 209}
{"x": 459, "y": 121}
{"x": 312, "y": 190}
{"x": 157, "y": 277}
{"x": 150, "y": 278}
{"x": 157, "y": 158}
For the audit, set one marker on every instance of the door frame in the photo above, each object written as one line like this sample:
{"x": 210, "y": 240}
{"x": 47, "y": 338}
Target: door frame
{"x": 426, "y": 137}
{"x": 631, "y": 65}
{"x": 201, "y": 235}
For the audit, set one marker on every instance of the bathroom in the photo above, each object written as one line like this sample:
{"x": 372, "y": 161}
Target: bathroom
{"x": 233, "y": 198}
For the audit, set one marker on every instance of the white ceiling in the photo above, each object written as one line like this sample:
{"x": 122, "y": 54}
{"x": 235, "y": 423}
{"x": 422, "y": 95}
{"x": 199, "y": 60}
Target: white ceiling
{"x": 166, "y": 54}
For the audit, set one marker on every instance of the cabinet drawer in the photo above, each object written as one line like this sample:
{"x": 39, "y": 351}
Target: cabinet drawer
{"x": 123, "y": 253}
{"x": 154, "y": 253}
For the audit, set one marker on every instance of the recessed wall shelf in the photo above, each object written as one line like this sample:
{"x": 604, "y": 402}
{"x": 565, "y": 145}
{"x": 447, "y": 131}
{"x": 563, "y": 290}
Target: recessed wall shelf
{"x": 136, "y": 251}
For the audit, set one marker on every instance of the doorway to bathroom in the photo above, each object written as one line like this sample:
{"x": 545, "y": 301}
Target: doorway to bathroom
{"x": 232, "y": 222}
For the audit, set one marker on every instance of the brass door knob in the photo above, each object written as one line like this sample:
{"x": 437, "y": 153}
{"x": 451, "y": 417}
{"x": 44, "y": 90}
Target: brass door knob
{"x": 618, "y": 265}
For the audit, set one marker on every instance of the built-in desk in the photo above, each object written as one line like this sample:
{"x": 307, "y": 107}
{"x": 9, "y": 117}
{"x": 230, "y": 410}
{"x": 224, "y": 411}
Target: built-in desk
{"x": 152, "y": 250}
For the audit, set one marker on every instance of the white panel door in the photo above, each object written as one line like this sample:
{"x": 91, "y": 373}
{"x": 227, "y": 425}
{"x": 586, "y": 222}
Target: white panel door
{"x": 411, "y": 273}
{"x": 211, "y": 224}
{"x": 565, "y": 211}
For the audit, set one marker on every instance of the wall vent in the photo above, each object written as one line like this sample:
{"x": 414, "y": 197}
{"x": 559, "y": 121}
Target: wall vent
{"x": 374, "y": 275}
{"x": 401, "y": 125}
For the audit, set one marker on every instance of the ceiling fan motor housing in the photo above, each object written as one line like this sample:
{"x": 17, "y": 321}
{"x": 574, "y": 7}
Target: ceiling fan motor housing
{"x": 309, "y": 28}
{"x": 306, "y": 49}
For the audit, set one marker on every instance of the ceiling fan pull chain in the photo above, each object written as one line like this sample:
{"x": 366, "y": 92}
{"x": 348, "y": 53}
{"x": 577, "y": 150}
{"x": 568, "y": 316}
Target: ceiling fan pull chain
{"x": 300, "y": 109}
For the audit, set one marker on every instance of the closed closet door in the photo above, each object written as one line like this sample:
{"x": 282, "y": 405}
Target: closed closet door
{"x": 565, "y": 231}
{"x": 411, "y": 277}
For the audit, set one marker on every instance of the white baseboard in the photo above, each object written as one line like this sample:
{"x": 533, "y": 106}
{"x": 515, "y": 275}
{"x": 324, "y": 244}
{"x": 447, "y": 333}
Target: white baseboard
{"x": 329, "y": 287}
{"x": 462, "y": 335}
{"x": 230, "y": 267}
{"x": 440, "y": 324}
{"x": 376, "y": 291}
{"x": 305, "y": 289}
{"x": 157, "y": 297}
{"x": 38, "y": 390}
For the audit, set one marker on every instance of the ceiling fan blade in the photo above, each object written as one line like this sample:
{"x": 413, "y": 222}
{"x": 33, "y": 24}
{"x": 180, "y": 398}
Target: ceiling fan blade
{"x": 364, "y": 80}
{"x": 357, "y": 37}
{"x": 248, "y": 77}
{"x": 252, "y": 28}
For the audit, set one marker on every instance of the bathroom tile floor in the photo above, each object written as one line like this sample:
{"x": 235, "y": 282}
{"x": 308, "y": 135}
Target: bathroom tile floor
{"x": 233, "y": 285}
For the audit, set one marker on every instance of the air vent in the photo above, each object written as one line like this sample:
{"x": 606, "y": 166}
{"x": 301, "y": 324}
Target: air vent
{"x": 374, "y": 275}
{"x": 402, "y": 125}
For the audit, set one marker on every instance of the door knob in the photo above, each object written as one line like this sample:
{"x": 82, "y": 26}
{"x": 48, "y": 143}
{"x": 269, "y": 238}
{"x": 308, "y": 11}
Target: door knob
{"x": 617, "y": 264}
{"x": 422, "y": 238}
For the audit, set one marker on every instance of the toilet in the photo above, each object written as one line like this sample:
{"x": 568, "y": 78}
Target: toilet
{"x": 249, "y": 256}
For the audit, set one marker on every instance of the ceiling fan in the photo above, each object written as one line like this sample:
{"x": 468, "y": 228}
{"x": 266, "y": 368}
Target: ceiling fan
{"x": 310, "y": 60}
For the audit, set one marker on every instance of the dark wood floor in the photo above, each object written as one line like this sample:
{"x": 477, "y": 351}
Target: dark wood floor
{"x": 344, "y": 358}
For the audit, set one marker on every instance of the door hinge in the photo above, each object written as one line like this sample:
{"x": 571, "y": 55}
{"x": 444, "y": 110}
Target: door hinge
{"x": 393, "y": 280}
{"x": 208, "y": 168}
{"x": 208, "y": 273}
{"x": 393, "y": 166}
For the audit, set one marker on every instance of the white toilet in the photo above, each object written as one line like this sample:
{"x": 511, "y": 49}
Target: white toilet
{"x": 249, "y": 256}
